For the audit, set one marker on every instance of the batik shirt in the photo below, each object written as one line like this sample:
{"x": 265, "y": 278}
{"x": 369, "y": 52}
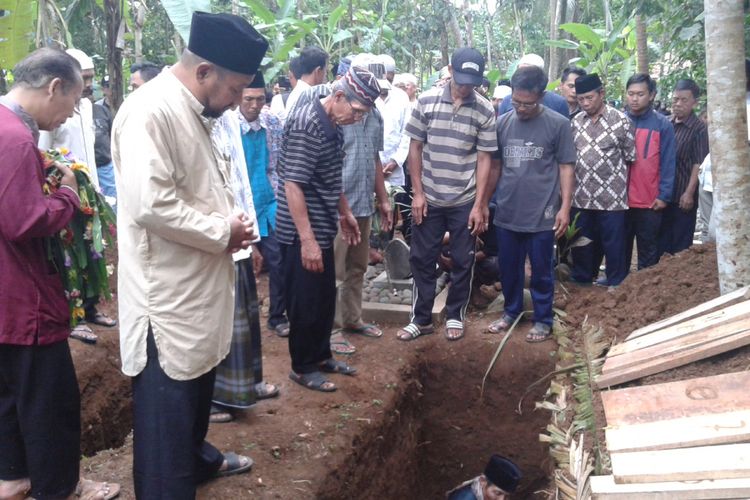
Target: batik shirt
{"x": 605, "y": 148}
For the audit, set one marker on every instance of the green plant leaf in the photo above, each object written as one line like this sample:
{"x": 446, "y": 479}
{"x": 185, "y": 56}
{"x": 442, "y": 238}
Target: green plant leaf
{"x": 584, "y": 33}
{"x": 333, "y": 18}
{"x": 493, "y": 76}
{"x": 16, "y": 30}
{"x": 180, "y": 12}
{"x": 341, "y": 36}
{"x": 563, "y": 44}
{"x": 286, "y": 7}
{"x": 260, "y": 11}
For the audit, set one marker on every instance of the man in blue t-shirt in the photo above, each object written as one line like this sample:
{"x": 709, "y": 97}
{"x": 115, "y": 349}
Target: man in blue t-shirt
{"x": 536, "y": 155}
{"x": 550, "y": 100}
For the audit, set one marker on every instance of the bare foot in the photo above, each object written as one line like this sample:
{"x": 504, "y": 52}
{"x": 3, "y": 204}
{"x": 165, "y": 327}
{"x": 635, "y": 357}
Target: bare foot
{"x": 95, "y": 490}
{"x": 15, "y": 490}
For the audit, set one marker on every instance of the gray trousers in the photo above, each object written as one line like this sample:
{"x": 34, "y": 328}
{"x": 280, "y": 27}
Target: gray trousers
{"x": 706, "y": 220}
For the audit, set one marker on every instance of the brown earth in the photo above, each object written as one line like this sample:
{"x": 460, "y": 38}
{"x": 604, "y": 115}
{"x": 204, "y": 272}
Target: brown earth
{"x": 410, "y": 425}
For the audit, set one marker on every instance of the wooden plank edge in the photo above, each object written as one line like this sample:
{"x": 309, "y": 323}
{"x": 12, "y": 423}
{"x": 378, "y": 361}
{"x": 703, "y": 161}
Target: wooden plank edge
{"x": 605, "y": 488}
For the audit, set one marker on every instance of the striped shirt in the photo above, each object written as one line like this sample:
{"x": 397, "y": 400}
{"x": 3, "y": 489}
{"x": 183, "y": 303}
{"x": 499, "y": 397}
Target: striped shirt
{"x": 691, "y": 137}
{"x": 311, "y": 156}
{"x": 451, "y": 140}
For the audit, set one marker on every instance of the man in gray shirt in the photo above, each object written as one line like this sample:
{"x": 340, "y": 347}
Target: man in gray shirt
{"x": 536, "y": 155}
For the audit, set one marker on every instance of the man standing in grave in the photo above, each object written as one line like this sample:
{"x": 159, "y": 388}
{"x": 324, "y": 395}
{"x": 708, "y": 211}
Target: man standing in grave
{"x": 535, "y": 165}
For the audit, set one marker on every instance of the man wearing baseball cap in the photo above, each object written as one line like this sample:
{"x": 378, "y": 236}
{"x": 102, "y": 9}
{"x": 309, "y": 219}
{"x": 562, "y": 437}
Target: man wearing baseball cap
{"x": 452, "y": 140}
{"x": 178, "y": 227}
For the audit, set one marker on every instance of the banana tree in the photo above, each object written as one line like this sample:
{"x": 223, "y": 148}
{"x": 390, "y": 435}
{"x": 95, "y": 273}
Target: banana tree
{"x": 25, "y": 24}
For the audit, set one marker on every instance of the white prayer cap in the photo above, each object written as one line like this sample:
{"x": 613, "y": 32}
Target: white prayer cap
{"x": 85, "y": 61}
{"x": 390, "y": 63}
{"x": 501, "y": 91}
{"x": 405, "y": 78}
{"x": 532, "y": 60}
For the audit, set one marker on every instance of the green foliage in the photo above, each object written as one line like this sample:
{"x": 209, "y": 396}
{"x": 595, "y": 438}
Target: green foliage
{"x": 16, "y": 30}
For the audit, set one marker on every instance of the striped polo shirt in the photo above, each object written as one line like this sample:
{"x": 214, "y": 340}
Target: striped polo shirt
{"x": 311, "y": 156}
{"x": 451, "y": 137}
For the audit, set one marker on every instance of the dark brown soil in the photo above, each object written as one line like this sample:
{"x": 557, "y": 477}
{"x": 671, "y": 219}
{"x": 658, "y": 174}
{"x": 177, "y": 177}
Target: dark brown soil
{"x": 411, "y": 424}
{"x": 674, "y": 285}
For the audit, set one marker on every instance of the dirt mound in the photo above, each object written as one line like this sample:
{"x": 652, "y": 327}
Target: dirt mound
{"x": 675, "y": 284}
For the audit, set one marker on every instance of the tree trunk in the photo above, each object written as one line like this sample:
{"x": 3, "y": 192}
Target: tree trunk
{"x": 453, "y": 25}
{"x": 730, "y": 155}
{"x": 3, "y": 83}
{"x": 607, "y": 16}
{"x": 113, "y": 14}
{"x": 140, "y": 19}
{"x": 445, "y": 56}
{"x": 519, "y": 27}
{"x": 553, "y": 64}
{"x": 552, "y": 7}
{"x": 488, "y": 38}
{"x": 641, "y": 41}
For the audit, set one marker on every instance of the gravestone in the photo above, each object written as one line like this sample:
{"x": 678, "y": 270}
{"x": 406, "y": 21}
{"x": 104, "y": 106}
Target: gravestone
{"x": 397, "y": 260}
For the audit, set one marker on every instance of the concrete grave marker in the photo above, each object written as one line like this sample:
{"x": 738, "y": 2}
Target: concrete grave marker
{"x": 397, "y": 260}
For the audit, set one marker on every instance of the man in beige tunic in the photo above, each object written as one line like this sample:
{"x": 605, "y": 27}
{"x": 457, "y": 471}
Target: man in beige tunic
{"x": 177, "y": 229}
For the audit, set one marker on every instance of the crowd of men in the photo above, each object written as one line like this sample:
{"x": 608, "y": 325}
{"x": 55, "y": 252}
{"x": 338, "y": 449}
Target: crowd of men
{"x": 214, "y": 178}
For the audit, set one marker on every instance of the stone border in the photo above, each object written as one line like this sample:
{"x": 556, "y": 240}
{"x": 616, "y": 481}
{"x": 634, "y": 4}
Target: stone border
{"x": 376, "y": 312}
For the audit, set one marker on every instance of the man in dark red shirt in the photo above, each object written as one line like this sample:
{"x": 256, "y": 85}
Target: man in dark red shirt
{"x": 39, "y": 400}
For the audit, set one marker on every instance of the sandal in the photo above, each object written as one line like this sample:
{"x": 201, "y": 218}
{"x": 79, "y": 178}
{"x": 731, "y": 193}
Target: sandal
{"x": 95, "y": 490}
{"x": 539, "y": 333}
{"x": 264, "y": 390}
{"x": 84, "y": 333}
{"x": 219, "y": 416}
{"x": 340, "y": 345}
{"x": 454, "y": 329}
{"x": 102, "y": 319}
{"x": 281, "y": 330}
{"x": 331, "y": 365}
{"x": 315, "y": 381}
{"x": 367, "y": 329}
{"x": 502, "y": 324}
{"x": 413, "y": 330}
{"x": 234, "y": 464}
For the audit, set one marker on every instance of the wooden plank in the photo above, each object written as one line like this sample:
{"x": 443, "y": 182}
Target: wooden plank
{"x": 730, "y": 461}
{"x": 699, "y": 310}
{"x": 699, "y": 396}
{"x": 605, "y": 488}
{"x": 680, "y": 358}
{"x": 702, "y": 323}
{"x": 690, "y": 341}
{"x": 686, "y": 432}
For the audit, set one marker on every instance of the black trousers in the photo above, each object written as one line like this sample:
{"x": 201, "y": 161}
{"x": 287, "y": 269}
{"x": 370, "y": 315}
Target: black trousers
{"x": 426, "y": 243}
{"x": 310, "y": 307}
{"x": 170, "y": 421}
{"x": 643, "y": 226}
{"x": 606, "y": 230}
{"x": 677, "y": 229}
{"x": 40, "y": 418}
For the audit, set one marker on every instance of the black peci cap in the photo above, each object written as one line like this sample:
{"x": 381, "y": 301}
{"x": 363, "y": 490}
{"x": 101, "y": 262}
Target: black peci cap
{"x": 503, "y": 473}
{"x": 587, "y": 83}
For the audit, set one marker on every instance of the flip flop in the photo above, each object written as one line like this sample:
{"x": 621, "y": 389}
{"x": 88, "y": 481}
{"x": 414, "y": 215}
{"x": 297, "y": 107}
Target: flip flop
{"x": 264, "y": 390}
{"x": 454, "y": 325}
{"x": 95, "y": 490}
{"x": 314, "y": 381}
{"x": 367, "y": 330}
{"x": 234, "y": 464}
{"x": 84, "y": 333}
{"x": 219, "y": 416}
{"x": 102, "y": 319}
{"x": 413, "y": 330}
{"x": 331, "y": 365}
{"x": 539, "y": 333}
{"x": 500, "y": 325}
{"x": 340, "y": 345}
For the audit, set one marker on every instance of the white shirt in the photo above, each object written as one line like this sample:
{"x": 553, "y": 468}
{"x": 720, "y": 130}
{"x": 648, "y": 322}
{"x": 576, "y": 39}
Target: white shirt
{"x": 291, "y": 101}
{"x": 396, "y": 112}
{"x": 175, "y": 196}
{"x": 77, "y": 134}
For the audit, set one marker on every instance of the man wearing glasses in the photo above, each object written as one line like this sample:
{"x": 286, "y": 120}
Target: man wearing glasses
{"x": 536, "y": 157}
{"x": 311, "y": 202}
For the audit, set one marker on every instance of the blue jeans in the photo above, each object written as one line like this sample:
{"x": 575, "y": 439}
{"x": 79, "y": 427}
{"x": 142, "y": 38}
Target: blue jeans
{"x": 514, "y": 247}
{"x": 106, "y": 175}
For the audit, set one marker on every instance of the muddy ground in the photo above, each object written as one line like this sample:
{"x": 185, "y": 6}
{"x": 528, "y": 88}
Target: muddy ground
{"x": 411, "y": 424}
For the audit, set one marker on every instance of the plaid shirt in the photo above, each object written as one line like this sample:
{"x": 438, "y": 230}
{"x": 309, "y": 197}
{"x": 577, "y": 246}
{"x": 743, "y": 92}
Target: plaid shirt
{"x": 605, "y": 148}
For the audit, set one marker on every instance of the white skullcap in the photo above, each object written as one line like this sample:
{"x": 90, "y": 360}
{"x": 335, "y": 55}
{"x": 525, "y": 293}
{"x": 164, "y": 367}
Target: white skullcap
{"x": 85, "y": 61}
{"x": 390, "y": 63}
{"x": 375, "y": 65}
{"x": 501, "y": 91}
{"x": 532, "y": 60}
{"x": 405, "y": 78}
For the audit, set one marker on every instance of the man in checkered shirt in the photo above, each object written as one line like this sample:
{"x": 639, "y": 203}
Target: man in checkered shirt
{"x": 605, "y": 142}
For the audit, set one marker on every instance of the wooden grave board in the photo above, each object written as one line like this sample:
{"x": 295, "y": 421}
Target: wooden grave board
{"x": 729, "y": 461}
{"x": 685, "y": 432}
{"x": 672, "y": 400}
{"x": 699, "y": 310}
{"x": 690, "y": 341}
{"x": 605, "y": 488}
{"x": 673, "y": 360}
{"x": 702, "y": 323}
